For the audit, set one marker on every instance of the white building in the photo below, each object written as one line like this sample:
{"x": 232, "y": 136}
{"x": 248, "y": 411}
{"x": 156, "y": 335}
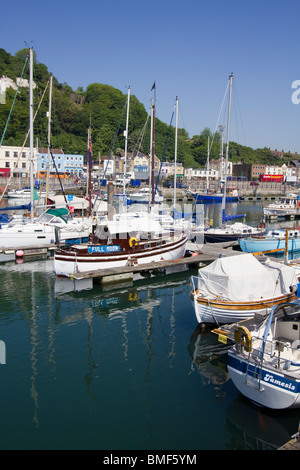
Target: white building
{"x": 213, "y": 170}
{"x": 17, "y": 160}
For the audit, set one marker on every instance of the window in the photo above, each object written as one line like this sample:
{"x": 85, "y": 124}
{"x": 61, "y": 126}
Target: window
{"x": 7, "y": 153}
{"x": 24, "y": 165}
{"x": 23, "y": 154}
{"x": 16, "y": 154}
{"x": 7, "y": 165}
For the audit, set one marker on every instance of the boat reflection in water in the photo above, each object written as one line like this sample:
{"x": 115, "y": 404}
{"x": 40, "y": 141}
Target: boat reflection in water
{"x": 113, "y": 367}
{"x": 209, "y": 359}
{"x": 253, "y": 428}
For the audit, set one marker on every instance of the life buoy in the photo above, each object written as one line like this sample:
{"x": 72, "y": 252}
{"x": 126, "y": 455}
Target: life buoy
{"x": 133, "y": 296}
{"x": 243, "y": 337}
{"x": 261, "y": 225}
{"x": 133, "y": 242}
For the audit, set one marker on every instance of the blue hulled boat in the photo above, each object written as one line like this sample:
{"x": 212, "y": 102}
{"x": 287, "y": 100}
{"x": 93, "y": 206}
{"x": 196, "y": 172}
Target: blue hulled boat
{"x": 273, "y": 240}
{"x": 264, "y": 362}
{"x": 212, "y": 198}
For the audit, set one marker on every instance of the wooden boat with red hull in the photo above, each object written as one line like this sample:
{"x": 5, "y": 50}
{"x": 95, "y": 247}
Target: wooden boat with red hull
{"x": 113, "y": 247}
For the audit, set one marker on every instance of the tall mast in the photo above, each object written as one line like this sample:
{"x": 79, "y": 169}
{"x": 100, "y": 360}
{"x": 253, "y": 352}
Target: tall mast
{"x": 207, "y": 167}
{"x": 126, "y": 141}
{"x": 152, "y": 153}
{"x": 49, "y": 136}
{"x": 227, "y": 143}
{"x": 31, "y": 128}
{"x": 221, "y": 128}
{"x": 175, "y": 156}
{"x": 88, "y": 175}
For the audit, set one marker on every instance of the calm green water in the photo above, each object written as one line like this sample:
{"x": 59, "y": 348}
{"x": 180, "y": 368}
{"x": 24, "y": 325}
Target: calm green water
{"x": 118, "y": 368}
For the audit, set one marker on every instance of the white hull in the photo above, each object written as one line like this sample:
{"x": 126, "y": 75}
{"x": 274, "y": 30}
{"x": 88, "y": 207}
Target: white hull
{"x": 273, "y": 390}
{"x": 24, "y": 194}
{"x": 33, "y": 235}
{"x": 235, "y": 288}
{"x": 213, "y": 315}
{"x": 209, "y": 312}
{"x": 145, "y": 199}
{"x": 285, "y": 206}
{"x": 67, "y": 263}
{"x": 144, "y": 196}
{"x": 281, "y": 211}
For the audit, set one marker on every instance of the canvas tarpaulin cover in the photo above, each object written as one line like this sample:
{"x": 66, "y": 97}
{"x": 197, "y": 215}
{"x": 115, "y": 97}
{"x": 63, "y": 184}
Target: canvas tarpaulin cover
{"x": 245, "y": 278}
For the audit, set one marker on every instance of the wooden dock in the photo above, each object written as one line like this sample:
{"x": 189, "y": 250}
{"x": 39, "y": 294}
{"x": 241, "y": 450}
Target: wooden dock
{"x": 41, "y": 252}
{"x": 293, "y": 444}
{"x": 208, "y": 253}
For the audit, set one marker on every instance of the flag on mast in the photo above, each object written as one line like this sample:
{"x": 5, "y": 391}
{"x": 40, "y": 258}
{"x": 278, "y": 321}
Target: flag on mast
{"x": 153, "y": 86}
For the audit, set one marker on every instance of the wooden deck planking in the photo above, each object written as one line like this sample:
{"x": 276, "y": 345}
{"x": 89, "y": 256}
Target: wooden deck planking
{"x": 293, "y": 444}
{"x": 209, "y": 252}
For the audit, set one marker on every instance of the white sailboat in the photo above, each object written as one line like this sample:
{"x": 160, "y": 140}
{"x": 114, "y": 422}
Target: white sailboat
{"x": 230, "y": 232}
{"x": 51, "y": 227}
{"x": 264, "y": 360}
{"x": 25, "y": 193}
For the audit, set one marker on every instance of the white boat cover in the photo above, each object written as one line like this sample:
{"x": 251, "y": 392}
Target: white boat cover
{"x": 245, "y": 278}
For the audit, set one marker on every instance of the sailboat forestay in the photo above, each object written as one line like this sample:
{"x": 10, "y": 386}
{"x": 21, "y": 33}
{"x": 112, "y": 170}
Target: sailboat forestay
{"x": 230, "y": 232}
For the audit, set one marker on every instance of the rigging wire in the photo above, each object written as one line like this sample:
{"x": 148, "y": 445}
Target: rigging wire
{"x": 222, "y": 109}
{"x": 53, "y": 160}
{"x": 162, "y": 158}
{"x": 181, "y": 115}
{"x": 17, "y": 90}
{"x": 24, "y": 143}
{"x": 238, "y": 112}
{"x": 141, "y": 136}
{"x": 111, "y": 150}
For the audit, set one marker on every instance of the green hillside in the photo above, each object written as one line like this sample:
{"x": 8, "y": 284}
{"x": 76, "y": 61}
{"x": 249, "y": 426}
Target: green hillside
{"x": 104, "y": 107}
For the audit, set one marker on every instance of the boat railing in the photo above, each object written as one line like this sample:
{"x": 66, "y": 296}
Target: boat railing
{"x": 280, "y": 353}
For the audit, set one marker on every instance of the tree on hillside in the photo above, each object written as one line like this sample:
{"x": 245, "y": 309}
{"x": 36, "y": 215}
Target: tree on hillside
{"x": 104, "y": 108}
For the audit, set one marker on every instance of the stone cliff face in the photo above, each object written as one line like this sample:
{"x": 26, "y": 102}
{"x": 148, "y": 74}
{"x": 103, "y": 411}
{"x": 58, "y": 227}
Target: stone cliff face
{"x": 6, "y": 82}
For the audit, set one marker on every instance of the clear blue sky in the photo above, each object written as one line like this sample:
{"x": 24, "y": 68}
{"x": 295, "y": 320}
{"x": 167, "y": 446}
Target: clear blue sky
{"x": 189, "y": 48}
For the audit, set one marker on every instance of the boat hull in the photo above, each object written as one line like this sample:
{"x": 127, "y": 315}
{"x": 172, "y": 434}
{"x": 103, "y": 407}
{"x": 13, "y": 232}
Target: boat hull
{"x": 33, "y": 236}
{"x": 211, "y": 311}
{"x": 271, "y": 389}
{"x": 67, "y": 262}
{"x": 221, "y": 237}
{"x": 144, "y": 199}
{"x": 213, "y": 198}
{"x": 21, "y": 194}
{"x": 249, "y": 245}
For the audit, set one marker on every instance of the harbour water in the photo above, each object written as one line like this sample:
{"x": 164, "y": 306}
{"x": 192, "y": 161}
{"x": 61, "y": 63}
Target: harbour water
{"x": 123, "y": 367}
